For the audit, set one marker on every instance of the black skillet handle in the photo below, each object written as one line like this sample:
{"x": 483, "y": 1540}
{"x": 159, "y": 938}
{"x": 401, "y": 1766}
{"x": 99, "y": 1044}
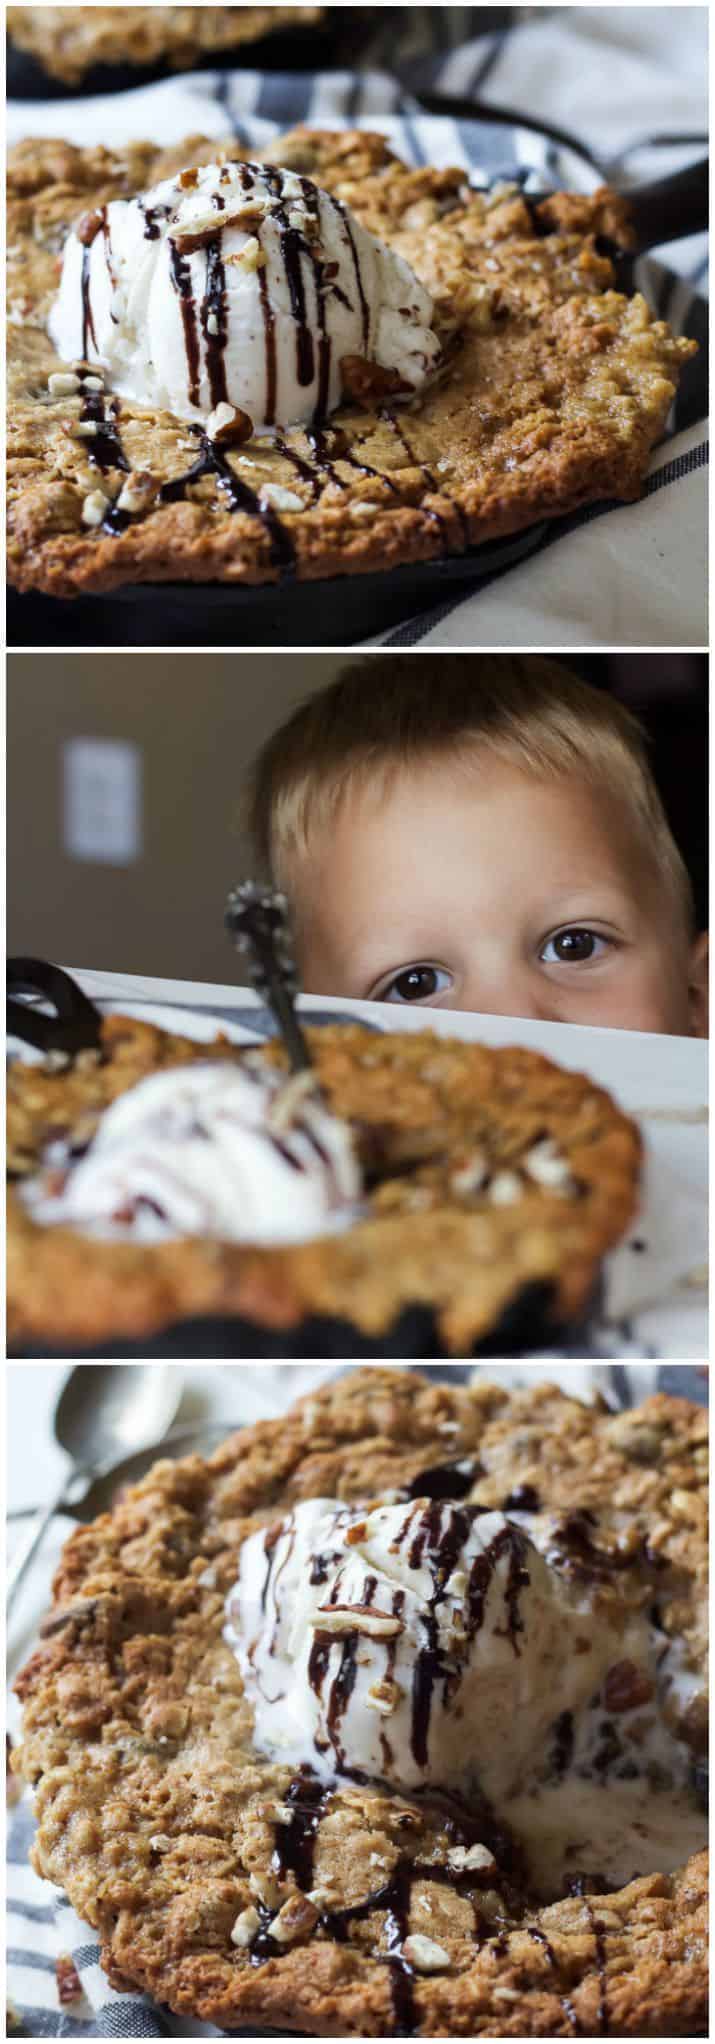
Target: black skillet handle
{"x": 76, "y": 1024}
{"x": 671, "y": 209}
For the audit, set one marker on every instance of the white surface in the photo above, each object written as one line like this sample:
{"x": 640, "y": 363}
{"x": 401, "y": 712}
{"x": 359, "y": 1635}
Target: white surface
{"x": 661, "y": 1080}
{"x": 629, "y": 1061}
{"x": 101, "y": 788}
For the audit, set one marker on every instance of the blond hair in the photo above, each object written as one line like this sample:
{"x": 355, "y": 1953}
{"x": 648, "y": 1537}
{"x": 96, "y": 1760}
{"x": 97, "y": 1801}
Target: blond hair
{"x": 396, "y": 710}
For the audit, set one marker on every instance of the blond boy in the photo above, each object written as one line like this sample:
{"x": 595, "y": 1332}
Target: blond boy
{"x": 479, "y": 831}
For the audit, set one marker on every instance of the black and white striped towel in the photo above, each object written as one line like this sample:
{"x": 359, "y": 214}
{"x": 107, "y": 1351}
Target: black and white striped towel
{"x": 628, "y": 84}
{"x": 42, "y": 1926}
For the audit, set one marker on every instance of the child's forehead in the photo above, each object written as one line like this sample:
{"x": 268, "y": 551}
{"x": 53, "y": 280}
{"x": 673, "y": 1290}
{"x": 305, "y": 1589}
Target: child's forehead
{"x": 420, "y": 809}
{"x": 478, "y": 774}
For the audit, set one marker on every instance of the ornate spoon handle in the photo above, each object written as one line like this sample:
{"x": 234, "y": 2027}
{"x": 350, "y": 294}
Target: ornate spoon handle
{"x": 257, "y": 920}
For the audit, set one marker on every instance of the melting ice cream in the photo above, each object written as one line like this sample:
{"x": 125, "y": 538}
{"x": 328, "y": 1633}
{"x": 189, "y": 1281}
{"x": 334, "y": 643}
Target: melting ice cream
{"x": 238, "y": 284}
{"x": 208, "y": 1148}
{"x": 430, "y": 1644}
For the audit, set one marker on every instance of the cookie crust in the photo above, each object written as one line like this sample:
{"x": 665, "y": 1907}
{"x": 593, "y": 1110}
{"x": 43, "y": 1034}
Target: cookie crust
{"x": 69, "y": 41}
{"x": 431, "y": 1237}
{"x": 555, "y": 387}
{"x": 159, "y": 1819}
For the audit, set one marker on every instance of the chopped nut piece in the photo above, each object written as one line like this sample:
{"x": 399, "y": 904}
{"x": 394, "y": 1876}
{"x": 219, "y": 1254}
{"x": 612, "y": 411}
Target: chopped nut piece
{"x": 187, "y": 179}
{"x": 356, "y": 1533}
{"x": 626, "y": 1686}
{"x": 245, "y": 1927}
{"x": 62, "y": 383}
{"x": 468, "y": 1858}
{"x": 384, "y": 1696}
{"x": 363, "y": 510}
{"x": 471, "y": 1176}
{"x": 505, "y": 1189}
{"x": 424, "y": 1954}
{"x": 228, "y": 425}
{"x": 364, "y": 381}
{"x": 93, "y": 383}
{"x": 280, "y": 499}
{"x": 251, "y": 256}
{"x": 640, "y": 1443}
{"x": 457, "y": 1583}
{"x": 267, "y": 1888}
{"x": 88, "y": 227}
{"x": 685, "y": 1504}
{"x": 546, "y": 1165}
{"x": 295, "y": 1920}
{"x": 69, "y": 1985}
{"x": 160, "y": 1842}
{"x": 340, "y": 1618}
{"x": 95, "y": 508}
{"x": 138, "y": 492}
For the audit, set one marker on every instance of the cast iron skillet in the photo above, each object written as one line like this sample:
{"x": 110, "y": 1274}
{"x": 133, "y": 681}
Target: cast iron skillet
{"x": 75, "y": 1025}
{"x": 337, "y": 40}
{"x": 345, "y": 610}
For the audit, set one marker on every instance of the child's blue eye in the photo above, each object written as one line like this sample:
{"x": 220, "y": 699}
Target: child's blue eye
{"x": 573, "y": 947}
{"x": 416, "y": 983}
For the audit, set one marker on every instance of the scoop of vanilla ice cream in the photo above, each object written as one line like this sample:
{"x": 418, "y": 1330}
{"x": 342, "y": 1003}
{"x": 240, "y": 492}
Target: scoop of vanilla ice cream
{"x": 220, "y": 1149}
{"x": 422, "y": 1643}
{"x": 242, "y": 284}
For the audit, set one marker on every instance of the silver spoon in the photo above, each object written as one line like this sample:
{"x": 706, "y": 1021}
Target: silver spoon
{"x": 102, "y": 1413}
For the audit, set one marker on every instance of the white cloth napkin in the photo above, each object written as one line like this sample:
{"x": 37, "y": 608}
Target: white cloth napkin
{"x": 629, "y": 84}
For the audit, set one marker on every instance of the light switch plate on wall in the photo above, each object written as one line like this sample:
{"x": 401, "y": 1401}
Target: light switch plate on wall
{"x": 102, "y": 806}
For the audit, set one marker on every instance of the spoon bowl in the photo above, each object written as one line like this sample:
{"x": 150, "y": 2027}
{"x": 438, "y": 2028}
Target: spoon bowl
{"x": 109, "y": 1410}
{"x": 102, "y": 1414}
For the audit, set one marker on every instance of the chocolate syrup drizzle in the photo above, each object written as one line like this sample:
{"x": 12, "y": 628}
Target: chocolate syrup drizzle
{"x": 105, "y": 448}
{"x": 87, "y": 320}
{"x": 181, "y": 279}
{"x": 212, "y": 461}
{"x": 294, "y": 1853}
{"x": 397, "y": 428}
{"x": 524, "y": 1498}
{"x": 445, "y": 1480}
{"x": 442, "y": 1538}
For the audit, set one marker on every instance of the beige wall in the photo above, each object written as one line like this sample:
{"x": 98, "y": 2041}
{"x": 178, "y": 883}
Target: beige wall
{"x": 198, "y": 720}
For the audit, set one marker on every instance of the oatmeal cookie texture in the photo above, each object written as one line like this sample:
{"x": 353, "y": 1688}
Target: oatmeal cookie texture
{"x": 69, "y": 41}
{"x": 497, "y": 1170}
{"x": 553, "y": 389}
{"x": 173, "y": 1837}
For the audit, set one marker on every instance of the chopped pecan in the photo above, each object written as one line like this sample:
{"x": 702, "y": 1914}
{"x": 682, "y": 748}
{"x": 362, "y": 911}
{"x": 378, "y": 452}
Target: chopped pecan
{"x": 367, "y": 382}
{"x": 69, "y": 1985}
{"x": 88, "y": 227}
{"x": 626, "y": 1686}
